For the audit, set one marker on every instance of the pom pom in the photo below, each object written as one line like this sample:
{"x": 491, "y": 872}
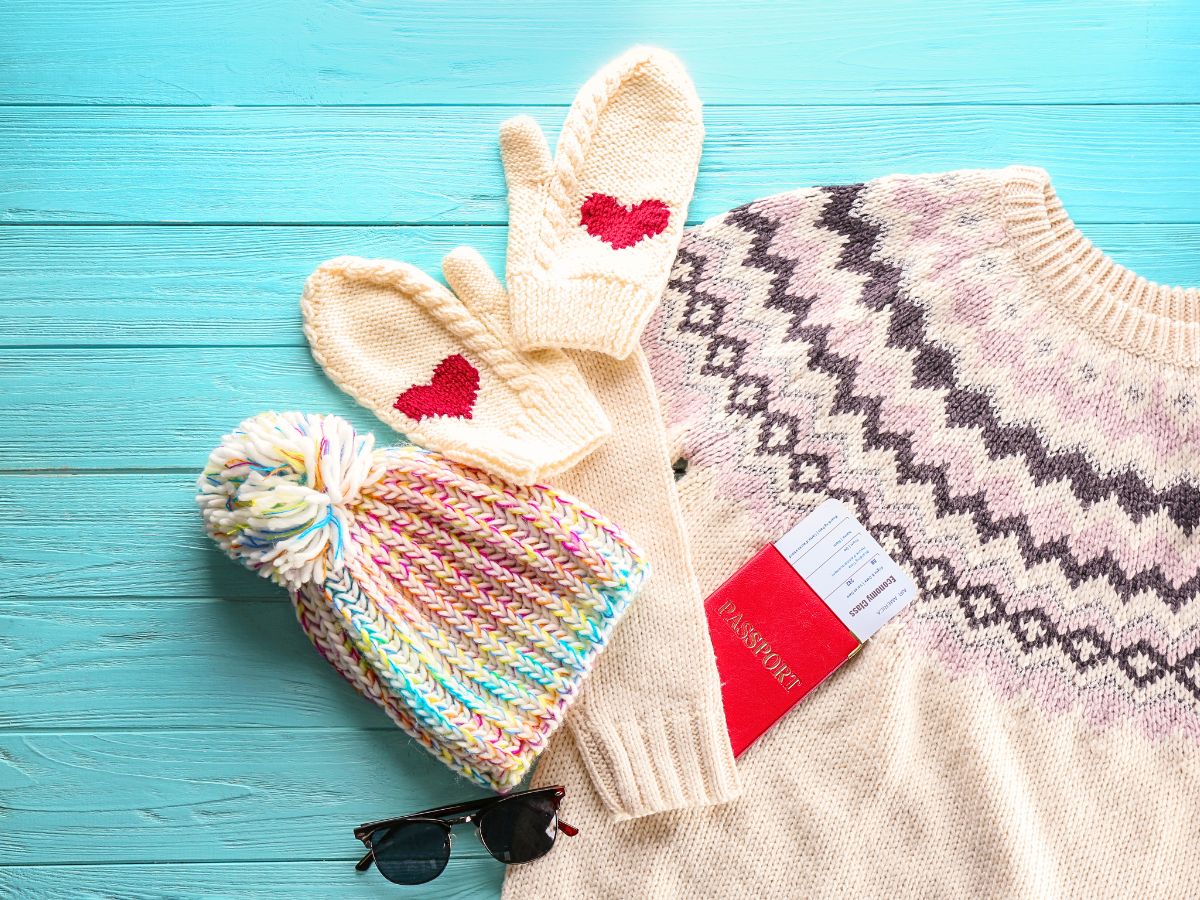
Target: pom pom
{"x": 275, "y": 493}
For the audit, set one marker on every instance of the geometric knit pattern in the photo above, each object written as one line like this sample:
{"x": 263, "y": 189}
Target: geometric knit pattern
{"x": 1015, "y": 418}
{"x": 468, "y": 608}
{"x": 1012, "y": 415}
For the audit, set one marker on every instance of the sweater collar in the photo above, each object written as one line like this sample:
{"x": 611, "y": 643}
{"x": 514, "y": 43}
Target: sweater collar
{"x": 1121, "y": 307}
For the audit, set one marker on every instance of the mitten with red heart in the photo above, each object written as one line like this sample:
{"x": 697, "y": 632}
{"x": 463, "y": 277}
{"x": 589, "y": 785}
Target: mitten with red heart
{"x": 445, "y": 372}
{"x": 593, "y": 232}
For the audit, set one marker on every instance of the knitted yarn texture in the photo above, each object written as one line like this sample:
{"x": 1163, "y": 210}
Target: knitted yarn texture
{"x": 468, "y": 608}
{"x": 447, "y": 374}
{"x": 646, "y": 750}
{"x": 649, "y": 750}
{"x": 1016, "y": 418}
{"x": 585, "y": 270}
{"x": 593, "y": 231}
{"x": 368, "y": 321}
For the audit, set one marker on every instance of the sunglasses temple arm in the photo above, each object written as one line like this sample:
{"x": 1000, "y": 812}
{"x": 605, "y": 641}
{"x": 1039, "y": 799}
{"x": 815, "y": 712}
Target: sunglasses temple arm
{"x": 365, "y": 863}
{"x": 568, "y": 830}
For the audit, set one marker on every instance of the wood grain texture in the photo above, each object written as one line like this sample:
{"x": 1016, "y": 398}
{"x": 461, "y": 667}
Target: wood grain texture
{"x": 87, "y": 663}
{"x": 165, "y": 728}
{"x": 190, "y": 285}
{"x": 240, "y": 286}
{"x": 149, "y": 407}
{"x": 465, "y": 879}
{"x": 113, "y": 535}
{"x": 207, "y": 795}
{"x": 396, "y": 165}
{"x": 359, "y": 51}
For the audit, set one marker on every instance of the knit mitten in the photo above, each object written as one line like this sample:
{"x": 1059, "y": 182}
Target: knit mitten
{"x": 653, "y": 738}
{"x": 447, "y": 374}
{"x": 594, "y": 231}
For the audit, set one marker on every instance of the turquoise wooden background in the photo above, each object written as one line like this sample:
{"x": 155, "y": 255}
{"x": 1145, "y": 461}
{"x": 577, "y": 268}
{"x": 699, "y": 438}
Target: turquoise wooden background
{"x": 170, "y": 172}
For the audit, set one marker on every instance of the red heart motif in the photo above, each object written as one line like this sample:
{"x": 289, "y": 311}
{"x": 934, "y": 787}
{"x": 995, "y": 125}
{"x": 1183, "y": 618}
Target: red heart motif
{"x": 622, "y": 226}
{"x": 451, "y": 392}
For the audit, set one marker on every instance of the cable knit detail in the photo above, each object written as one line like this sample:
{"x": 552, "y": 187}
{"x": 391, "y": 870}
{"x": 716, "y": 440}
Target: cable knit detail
{"x": 631, "y": 146}
{"x": 381, "y": 328}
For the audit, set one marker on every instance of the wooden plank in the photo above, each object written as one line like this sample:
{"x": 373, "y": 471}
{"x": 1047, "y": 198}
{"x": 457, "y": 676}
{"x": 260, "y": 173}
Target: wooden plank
{"x": 237, "y": 286}
{"x": 226, "y": 794}
{"x": 396, "y": 165}
{"x": 110, "y": 535}
{"x": 240, "y": 285}
{"x": 465, "y": 878}
{"x": 140, "y": 51}
{"x": 82, "y": 663}
{"x": 150, "y": 408}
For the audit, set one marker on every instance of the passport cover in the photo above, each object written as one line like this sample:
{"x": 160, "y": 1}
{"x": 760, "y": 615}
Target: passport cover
{"x": 775, "y": 640}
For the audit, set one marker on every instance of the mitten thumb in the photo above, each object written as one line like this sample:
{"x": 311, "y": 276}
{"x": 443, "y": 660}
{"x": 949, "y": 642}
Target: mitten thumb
{"x": 527, "y": 169}
{"x": 474, "y": 283}
{"x": 525, "y": 153}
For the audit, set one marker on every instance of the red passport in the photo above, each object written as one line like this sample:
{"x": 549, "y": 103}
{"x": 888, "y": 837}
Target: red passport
{"x": 775, "y": 640}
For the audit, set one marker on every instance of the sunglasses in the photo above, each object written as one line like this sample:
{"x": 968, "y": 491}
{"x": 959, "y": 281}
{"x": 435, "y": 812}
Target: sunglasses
{"x": 513, "y": 828}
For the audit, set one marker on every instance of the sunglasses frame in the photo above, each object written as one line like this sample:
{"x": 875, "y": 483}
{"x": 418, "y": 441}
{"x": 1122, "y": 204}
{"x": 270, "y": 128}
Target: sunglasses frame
{"x": 458, "y": 814}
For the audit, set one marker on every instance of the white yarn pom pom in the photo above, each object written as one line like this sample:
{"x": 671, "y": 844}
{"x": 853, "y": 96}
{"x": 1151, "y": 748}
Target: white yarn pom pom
{"x": 275, "y": 493}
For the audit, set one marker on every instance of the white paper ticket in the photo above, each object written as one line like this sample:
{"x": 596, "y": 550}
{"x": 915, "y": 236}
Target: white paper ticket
{"x": 847, "y": 568}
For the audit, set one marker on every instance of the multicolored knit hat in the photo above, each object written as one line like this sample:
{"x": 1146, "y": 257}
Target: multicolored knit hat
{"x": 468, "y": 608}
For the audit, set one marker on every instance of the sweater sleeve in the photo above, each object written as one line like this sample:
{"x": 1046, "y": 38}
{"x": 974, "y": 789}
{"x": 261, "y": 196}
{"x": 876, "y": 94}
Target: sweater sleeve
{"x": 650, "y": 724}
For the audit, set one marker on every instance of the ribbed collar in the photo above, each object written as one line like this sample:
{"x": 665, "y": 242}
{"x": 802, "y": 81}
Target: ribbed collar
{"x": 1119, "y": 306}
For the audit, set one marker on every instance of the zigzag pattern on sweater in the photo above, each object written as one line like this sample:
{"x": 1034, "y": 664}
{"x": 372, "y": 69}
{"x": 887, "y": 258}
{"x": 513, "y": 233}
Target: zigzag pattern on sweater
{"x": 793, "y": 337}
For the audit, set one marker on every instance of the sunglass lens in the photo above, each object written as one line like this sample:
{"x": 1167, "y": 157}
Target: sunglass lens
{"x": 520, "y": 829}
{"x": 411, "y": 852}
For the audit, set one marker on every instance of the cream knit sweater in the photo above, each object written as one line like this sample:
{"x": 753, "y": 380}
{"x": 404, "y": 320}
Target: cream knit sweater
{"x": 1017, "y": 419}
{"x": 477, "y": 373}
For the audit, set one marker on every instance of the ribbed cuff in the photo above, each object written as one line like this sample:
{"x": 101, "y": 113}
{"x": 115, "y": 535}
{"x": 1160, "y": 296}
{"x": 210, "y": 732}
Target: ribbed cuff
{"x": 586, "y": 313}
{"x": 645, "y": 765}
